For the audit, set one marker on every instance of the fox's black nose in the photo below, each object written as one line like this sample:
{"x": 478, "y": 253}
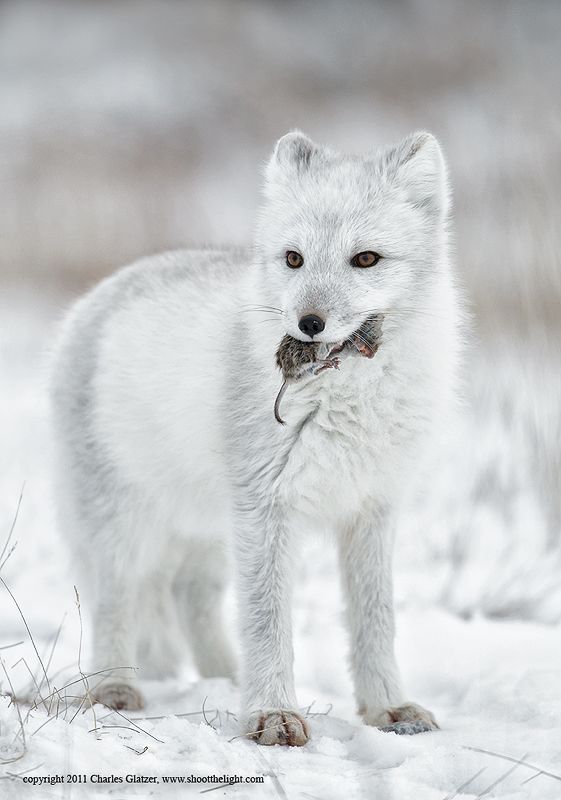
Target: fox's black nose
{"x": 311, "y": 324}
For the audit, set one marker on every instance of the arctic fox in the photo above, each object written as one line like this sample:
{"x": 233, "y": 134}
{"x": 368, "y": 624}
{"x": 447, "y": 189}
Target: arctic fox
{"x": 170, "y": 456}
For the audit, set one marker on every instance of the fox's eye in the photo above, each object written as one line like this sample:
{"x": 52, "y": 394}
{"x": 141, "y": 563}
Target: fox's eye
{"x": 366, "y": 259}
{"x": 294, "y": 259}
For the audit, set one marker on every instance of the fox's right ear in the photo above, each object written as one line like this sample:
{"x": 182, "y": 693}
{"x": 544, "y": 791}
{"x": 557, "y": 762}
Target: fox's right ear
{"x": 294, "y": 153}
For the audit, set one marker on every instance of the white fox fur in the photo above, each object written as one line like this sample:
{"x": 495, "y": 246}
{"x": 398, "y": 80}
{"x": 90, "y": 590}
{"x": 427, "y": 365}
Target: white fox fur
{"x": 170, "y": 456}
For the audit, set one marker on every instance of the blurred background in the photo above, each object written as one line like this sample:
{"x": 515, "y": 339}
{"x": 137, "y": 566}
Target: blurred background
{"x": 128, "y": 127}
{"x": 131, "y": 127}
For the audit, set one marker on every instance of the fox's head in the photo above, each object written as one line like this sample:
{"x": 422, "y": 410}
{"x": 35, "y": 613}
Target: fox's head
{"x": 342, "y": 237}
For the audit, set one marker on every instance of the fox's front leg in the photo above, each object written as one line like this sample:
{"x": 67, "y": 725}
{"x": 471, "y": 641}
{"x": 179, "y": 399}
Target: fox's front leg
{"x": 366, "y": 564}
{"x": 264, "y": 573}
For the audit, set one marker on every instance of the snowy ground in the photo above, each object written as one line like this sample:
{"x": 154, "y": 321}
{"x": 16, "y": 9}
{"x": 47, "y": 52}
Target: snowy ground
{"x": 493, "y": 683}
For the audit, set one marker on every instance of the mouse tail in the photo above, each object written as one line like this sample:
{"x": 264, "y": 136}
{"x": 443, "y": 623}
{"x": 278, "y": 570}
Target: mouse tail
{"x": 280, "y": 395}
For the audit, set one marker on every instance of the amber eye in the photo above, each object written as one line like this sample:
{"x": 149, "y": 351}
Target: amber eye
{"x": 366, "y": 259}
{"x": 294, "y": 259}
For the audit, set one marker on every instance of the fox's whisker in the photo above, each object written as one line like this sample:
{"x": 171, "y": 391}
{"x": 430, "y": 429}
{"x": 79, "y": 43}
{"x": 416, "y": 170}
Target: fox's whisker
{"x": 257, "y": 307}
{"x": 404, "y": 311}
{"x": 262, "y": 311}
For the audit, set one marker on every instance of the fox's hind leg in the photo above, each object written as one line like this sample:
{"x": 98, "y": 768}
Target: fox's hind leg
{"x": 117, "y": 553}
{"x": 199, "y": 592}
{"x": 115, "y": 639}
{"x": 104, "y": 569}
{"x": 161, "y": 642}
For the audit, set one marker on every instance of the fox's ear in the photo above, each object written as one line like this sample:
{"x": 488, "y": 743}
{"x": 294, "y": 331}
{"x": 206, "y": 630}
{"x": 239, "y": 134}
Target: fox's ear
{"x": 418, "y": 165}
{"x": 294, "y": 152}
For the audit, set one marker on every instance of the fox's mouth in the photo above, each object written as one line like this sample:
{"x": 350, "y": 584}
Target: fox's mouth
{"x": 366, "y": 338}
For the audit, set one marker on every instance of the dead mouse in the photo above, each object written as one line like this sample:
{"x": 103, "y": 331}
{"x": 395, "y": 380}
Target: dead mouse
{"x": 297, "y": 359}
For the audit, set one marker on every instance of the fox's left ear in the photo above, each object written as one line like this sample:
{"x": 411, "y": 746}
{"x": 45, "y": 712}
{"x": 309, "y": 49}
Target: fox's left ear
{"x": 418, "y": 165}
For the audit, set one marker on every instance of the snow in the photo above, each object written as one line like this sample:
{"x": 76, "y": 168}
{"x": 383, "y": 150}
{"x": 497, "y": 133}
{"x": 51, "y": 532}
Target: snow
{"x": 492, "y": 680}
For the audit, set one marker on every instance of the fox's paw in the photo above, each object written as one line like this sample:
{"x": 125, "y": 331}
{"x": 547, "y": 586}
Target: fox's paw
{"x": 408, "y": 719}
{"x": 120, "y": 696}
{"x": 278, "y": 726}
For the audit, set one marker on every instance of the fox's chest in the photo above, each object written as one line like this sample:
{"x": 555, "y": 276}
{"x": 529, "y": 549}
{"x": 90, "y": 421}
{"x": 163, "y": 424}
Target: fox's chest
{"x": 351, "y": 447}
